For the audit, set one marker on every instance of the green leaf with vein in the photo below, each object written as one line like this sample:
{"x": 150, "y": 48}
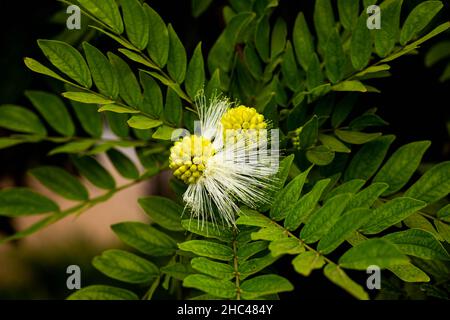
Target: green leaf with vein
{"x": 17, "y": 118}
{"x": 264, "y": 285}
{"x": 103, "y": 73}
{"x": 86, "y": 97}
{"x": 176, "y": 63}
{"x": 335, "y": 62}
{"x": 387, "y": 36}
{"x": 214, "y": 269}
{"x": 15, "y": 202}
{"x": 322, "y": 221}
{"x": 137, "y": 25}
{"x": 390, "y": 213}
{"x": 356, "y": 137}
{"x": 125, "y": 266}
{"x": 73, "y": 147}
{"x": 218, "y": 288}
{"x": 379, "y": 252}
{"x": 208, "y": 230}
{"x": 153, "y": 100}
{"x": 123, "y": 164}
{"x": 400, "y": 167}
{"x": 418, "y": 243}
{"x": 366, "y": 197}
{"x": 106, "y": 11}
{"x": 433, "y": 185}
{"x": 418, "y": 19}
{"x": 53, "y": 110}
{"x": 37, "y": 67}
{"x": 145, "y": 238}
{"x": 143, "y": 122}
{"x": 255, "y": 265}
{"x": 351, "y": 186}
{"x": 308, "y": 261}
{"x": 60, "y": 182}
{"x": 195, "y": 75}
{"x": 286, "y": 246}
{"x": 94, "y": 172}
{"x": 368, "y": 159}
{"x": 89, "y": 118}
{"x": 333, "y": 144}
{"x": 303, "y": 207}
{"x": 158, "y": 43}
{"x": 208, "y": 249}
{"x": 68, "y": 60}
{"x": 178, "y": 270}
{"x": 302, "y": 40}
{"x": 288, "y": 196}
{"x": 361, "y": 43}
{"x": 248, "y": 250}
{"x": 163, "y": 211}
{"x": 409, "y": 273}
{"x": 101, "y": 292}
{"x": 270, "y": 233}
{"x": 340, "y": 278}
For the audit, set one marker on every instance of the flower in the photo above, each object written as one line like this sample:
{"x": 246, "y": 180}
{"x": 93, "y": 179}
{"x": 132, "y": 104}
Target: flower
{"x": 225, "y": 161}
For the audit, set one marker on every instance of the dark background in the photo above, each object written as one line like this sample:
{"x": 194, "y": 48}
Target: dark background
{"x": 413, "y": 101}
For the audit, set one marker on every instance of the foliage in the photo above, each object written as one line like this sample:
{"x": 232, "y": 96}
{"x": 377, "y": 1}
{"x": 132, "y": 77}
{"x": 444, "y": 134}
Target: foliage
{"x": 340, "y": 185}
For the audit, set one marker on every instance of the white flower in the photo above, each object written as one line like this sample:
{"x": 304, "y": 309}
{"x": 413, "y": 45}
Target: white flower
{"x": 226, "y": 161}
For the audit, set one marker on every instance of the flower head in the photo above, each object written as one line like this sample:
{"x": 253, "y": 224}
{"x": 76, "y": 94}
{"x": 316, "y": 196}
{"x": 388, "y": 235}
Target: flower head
{"x": 222, "y": 172}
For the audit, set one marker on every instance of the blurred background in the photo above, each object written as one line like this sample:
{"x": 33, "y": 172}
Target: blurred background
{"x": 415, "y": 101}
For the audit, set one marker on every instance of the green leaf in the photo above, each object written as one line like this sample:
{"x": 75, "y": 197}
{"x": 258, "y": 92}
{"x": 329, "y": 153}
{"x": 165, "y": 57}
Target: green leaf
{"x": 37, "y": 67}
{"x": 106, "y": 11}
{"x": 117, "y": 109}
{"x": 73, "y": 147}
{"x": 325, "y": 218}
{"x": 94, "y": 172}
{"x": 444, "y": 213}
{"x": 366, "y": 197}
{"x": 123, "y": 164}
{"x": 387, "y": 35}
{"x": 278, "y": 41}
{"x": 176, "y": 63}
{"x": 376, "y": 69}
{"x": 90, "y": 119}
{"x": 137, "y": 25}
{"x": 173, "y": 110}
{"x": 129, "y": 86}
{"x": 208, "y": 249}
{"x": 16, "y": 202}
{"x": 340, "y": 278}
{"x": 61, "y": 182}
{"x": 153, "y": 101}
{"x": 437, "y": 52}
{"x": 290, "y": 70}
{"x": 400, "y": 167}
{"x": 17, "y": 118}
{"x": 8, "y": 142}
{"x": 103, "y": 73}
{"x": 361, "y": 43}
{"x": 355, "y": 137}
{"x": 302, "y": 40}
{"x": 335, "y": 61}
{"x": 320, "y": 155}
{"x": 253, "y": 266}
{"x": 100, "y": 292}
{"x": 418, "y": 19}
{"x": 323, "y": 20}
{"x": 262, "y": 36}
{"x": 286, "y": 246}
{"x": 208, "y": 230}
{"x": 214, "y": 85}
{"x": 163, "y": 133}
{"x": 417, "y": 221}
{"x": 308, "y": 261}
{"x": 264, "y": 285}
{"x": 368, "y": 159}
{"x": 195, "y": 76}
{"x": 409, "y": 273}
{"x": 218, "y": 288}
{"x": 303, "y": 207}
{"x": 199, "y": 6}
{"x": 138, "y": 57}
{"x": 379, "y": 252}
{"x": 348, "y": 223}
{"x": 53, "y": 110}
{"x": 158, "y": 42}
{"x": 250, "y": 249}
{"x": 418, "y": 243}
{"x": 350, "y": 85}
{"x": 125, "y": 266}
{"x": 212, "y": 268}
{"x": 443, "y": 229}
{"x": 86, "y": 97}
{"x": 433, "y": 185}
{"x": 351, "y": 186}
{"x": 348, "y": 13}
{"x": 145, "y": 238}
{"x": 143, "y": 122}
{"x": 178, "y": 270}
{"x": 163, "y": 211}
{"x": 286, "y": 198}
{"x": 270, "y": 233}
{"x": 252, "y": 62}
{"x": 333, "y": 144}
{"x": 309, "y": 133}
{"x": 68, "y": 60}
{"x": 390, "y": 213}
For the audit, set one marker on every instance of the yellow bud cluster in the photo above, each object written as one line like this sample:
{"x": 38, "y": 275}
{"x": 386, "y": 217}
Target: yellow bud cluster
{"x": 188, "y": 158}
{"x": 243, "y": 118}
